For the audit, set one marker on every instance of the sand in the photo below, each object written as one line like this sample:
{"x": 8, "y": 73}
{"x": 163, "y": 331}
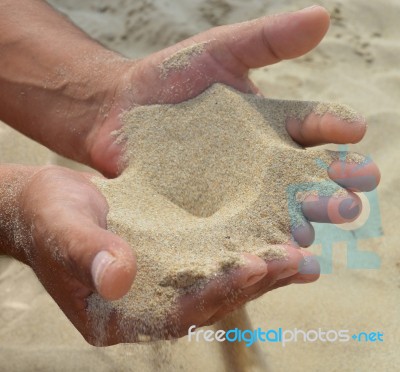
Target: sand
{"x": 208, "y": 179}
{"x": 181, "y": 60}
{"x": 357, "y": 64}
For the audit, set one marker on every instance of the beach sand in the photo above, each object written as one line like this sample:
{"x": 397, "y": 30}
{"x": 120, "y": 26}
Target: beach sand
{"x": 357, "y": 64}
{"x": 207, "y": 180}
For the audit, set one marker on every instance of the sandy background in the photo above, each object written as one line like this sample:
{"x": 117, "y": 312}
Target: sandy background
{"x": 356, "y": 64}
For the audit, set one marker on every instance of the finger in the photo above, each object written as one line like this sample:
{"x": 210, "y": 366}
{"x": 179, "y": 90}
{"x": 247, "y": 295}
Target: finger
{"x": 197, "y": 308}
{"x": 295, "y": 279}
{"x": 268, "y": 40}
{"x": 308, "y": 271}
{"x": 225, "y": 54}
{"x": 68, "y": 223}
{"x": 263, "y": 41}
{"x": 98, "y": 258}
{"x": 301, "y": 262}
{"x": 277, "y": 270}
{"x": 303, "y": 267}
{"x": 360, "y": 176}
{"x": 317, "y": 129}
{"x": 304, "y": 234}
{"x": 332, "y": 209}
{"x": 300, "y": 278}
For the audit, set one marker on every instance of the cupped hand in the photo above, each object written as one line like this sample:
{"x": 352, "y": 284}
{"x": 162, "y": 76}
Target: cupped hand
{"x": 74, "y": 255}
{"x": 226, "y": 55}
{"x": 72, "y": 252}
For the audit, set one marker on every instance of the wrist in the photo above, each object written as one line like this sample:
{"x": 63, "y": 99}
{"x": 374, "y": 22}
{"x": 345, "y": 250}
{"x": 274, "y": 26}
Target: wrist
{"x": 14, "y": 231}
{"x": 56, "y": 82}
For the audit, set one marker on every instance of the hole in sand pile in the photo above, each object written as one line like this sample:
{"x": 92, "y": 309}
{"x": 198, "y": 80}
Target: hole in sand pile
{"x": 200, "y": 190}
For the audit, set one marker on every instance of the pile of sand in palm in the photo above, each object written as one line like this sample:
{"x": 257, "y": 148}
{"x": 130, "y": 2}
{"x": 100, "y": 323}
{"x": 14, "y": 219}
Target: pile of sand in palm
{"x": 207, "y": 179}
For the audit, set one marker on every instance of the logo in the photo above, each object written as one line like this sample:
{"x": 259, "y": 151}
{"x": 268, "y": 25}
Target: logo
{"x": 368, "y": 225}
{"x": 282, "y": 336}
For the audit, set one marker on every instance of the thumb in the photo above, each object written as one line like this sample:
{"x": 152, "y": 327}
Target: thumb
{"x": 99, "y": 259}
{"x": 261, "y": 42}
{"x": 271, "y": 39}
{"x": 67, "y": 218}
{"x": 113, "y": 269}
{"x": 228, "y": 52}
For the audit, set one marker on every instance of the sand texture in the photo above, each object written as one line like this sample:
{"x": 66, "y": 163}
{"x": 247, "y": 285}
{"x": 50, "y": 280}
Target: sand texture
{"x": 357, "y": 64}
{"x": 208, "y": 179}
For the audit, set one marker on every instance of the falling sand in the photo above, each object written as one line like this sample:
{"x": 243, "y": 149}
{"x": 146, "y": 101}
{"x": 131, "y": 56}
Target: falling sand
{"x": 208, "y": 179}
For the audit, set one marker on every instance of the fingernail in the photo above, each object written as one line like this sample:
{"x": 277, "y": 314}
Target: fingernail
{"x": 309, "y": 8}
{"x": 100, "y": 264}
{"x": 258, "y": 268}
{"x": 253, "y": 280}
{"x": 309, "y": 265}
{"x": 303, "y": 235}
{"x": 349, "y": 209}
{"x": 286, "y": 272}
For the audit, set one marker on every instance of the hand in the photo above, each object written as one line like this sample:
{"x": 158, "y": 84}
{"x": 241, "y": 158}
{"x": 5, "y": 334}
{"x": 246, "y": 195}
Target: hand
{"x": 62, "y": 225}
{"x": 67, "y": 215}
{"x": 226, "y": 56}
{"x": 63, "y": 237}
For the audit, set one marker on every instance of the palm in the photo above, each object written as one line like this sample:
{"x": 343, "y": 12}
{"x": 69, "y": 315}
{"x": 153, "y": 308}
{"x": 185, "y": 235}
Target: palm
{"x": 226, "y": 57}
{"x": 174, "y": 88}
{"x": 68, "y": 218}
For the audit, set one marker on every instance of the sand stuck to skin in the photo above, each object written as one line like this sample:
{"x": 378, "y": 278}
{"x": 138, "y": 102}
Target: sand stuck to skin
{"x": 208, "y": 179}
